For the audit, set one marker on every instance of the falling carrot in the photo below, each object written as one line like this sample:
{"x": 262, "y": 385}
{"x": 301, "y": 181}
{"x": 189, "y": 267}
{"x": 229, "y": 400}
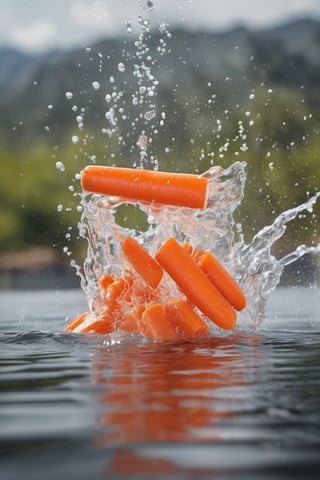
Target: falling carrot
{"x": 183, "y": 318}
{"x": 142, "y": 262}
{"x": 195, "y": 284}
{"x": 181, "y": 189}
{"x": 222, "y": 280}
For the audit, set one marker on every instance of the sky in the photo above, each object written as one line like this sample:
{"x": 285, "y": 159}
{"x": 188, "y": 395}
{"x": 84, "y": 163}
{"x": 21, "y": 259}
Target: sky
{"x": 39, "y": 25}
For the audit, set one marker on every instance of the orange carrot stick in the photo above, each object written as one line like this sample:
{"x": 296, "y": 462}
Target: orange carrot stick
{"x": 221, "y": 279}
{"x": 149, "y": 186}
{"x": 195, "y": 284}
{"x": 105, "y": 281}
{"x": 98, "y": 327}
{"x": 183, "y": 318}
{"x": 76, "y": 322}
{"x": 142, "y": 262}
{"x": 155, "y": 324}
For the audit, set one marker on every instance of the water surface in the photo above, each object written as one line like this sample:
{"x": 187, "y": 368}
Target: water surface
{"x": 241, "y": 407}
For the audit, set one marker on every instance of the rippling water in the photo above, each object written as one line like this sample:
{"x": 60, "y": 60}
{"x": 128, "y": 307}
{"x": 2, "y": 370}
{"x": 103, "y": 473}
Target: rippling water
{"x": 242, "y": 407}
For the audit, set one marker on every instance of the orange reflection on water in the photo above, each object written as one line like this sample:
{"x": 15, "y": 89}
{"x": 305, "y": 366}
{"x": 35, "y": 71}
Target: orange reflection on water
{"x": 168, "y": 393}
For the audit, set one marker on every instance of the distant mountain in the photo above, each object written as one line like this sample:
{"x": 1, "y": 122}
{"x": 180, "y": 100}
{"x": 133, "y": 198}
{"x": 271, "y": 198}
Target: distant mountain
{"x": 187, "y": 65}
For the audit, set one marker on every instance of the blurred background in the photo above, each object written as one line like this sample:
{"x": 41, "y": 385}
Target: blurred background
{"x": 177, "y": 86}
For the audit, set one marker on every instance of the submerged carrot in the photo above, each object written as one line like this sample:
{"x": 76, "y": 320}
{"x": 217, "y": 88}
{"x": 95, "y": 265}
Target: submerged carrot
{"x": 180, "y": 189}
{"x": 221, "y": 279}
{"x": 186, "y": 320}
{"x": 155, "y": 324}
{"x": 142, "y": 262}
{"x": 195, "y": 284}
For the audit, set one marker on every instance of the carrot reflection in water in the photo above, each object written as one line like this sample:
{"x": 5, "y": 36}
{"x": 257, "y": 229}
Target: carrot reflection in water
{"x": 165, "y": 393}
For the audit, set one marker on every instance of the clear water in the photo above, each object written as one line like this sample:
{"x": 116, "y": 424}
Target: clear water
{"x": 242, "y": 407}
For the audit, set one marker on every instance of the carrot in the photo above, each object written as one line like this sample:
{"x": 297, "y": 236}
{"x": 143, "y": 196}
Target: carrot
{"x": 179, "y": 189}
{"x": 154, "y": 323}
{"x": 183, "y": 318}
{"x": 195, "y": 284}
{"x": 105, "y": 281}
{"x": 130, "y": 319}
{"x": 76, "y": 322}
{"x": 98, "y": 327}
{"x": 221, "y": 279}
{"x": 142, "y": 262}
{"x": 116, "y": 292}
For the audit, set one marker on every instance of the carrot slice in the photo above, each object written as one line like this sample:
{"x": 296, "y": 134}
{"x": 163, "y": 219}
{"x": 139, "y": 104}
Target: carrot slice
{"x": 155, "y": 323}
{"x": 142, "y": 262}
{"x": 221, "y": 279}
{"x": 186, "y": 320}
{"x": 195, "y": 284}
{"x": 180, "y": 189}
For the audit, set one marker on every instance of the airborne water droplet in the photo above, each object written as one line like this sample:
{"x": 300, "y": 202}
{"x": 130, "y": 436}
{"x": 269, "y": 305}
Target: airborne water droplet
{"x": 121, "y": 67}
{"x": 60, "y": 166}
{"x": 96, "y": 85}
{"x": 69, "y": 95}
{"x": 75, "y": 139}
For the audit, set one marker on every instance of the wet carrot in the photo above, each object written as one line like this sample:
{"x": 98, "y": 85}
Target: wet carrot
{"x": 183, "y": 318}
{"x": 130, "y": 319}
{"x": 76, "y": 322}
{"x": 179, "y": 189}
{"x": 116, "y": 292}
{"x": 98, "y": 326}
{"x": 222, "y": 280}
{"x": 195, "y": 284}
{"x": 155, "y": 324}
{"x": 142, "y": 262}
{"x": 105, "y": 281}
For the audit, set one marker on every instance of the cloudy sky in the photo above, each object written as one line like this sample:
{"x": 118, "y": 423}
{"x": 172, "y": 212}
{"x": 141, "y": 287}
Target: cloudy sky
{"x": 36, "y": 25}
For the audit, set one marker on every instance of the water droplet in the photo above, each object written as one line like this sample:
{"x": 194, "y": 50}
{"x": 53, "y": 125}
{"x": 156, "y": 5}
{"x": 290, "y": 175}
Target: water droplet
{"x": 59, "y": 207}
{"x": 69, "y": 95}
{"x": 149, "y": 115}
{"x": 244, "y": 147}
{"x": 252, "y": 96}
{"x": 150, "y": 5}
{"x": 96, "y": 85}
{"x": 60, "y": 166}
{"x": 50, "y": 107}
{"x": 128, "y": 26}
{"x": 121, "y": 67}
{"x": 75, "y": 139}
{"x": 142, "y": 142}
{"x": 111, "y": 79}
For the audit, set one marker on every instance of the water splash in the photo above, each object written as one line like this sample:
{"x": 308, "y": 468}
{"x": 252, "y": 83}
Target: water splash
{"x": 106, "y": 221}
{"x": 214, "y": 228}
